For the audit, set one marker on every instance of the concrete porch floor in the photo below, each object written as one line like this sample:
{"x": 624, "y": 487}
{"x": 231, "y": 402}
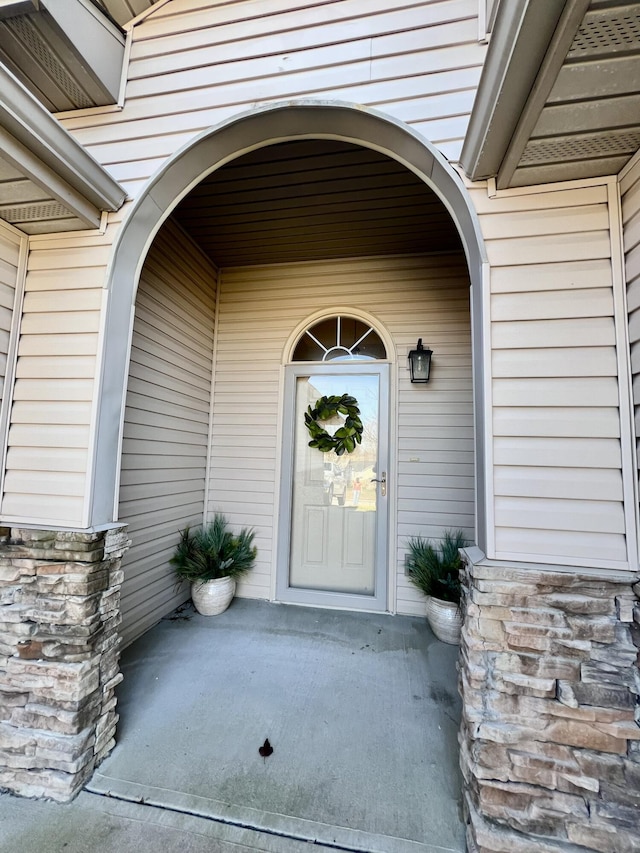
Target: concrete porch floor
{"x": 361, "y": 709}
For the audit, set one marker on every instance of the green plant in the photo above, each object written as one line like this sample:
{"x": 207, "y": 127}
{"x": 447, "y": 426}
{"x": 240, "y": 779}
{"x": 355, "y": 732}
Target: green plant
{"x": 435, "y": 571}
{"x": 213, "y": 551}
{"x": 345, "y": 438}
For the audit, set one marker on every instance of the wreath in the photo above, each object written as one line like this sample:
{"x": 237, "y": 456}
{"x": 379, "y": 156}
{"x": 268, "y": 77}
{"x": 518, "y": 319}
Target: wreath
{"x": 346, "y": 437}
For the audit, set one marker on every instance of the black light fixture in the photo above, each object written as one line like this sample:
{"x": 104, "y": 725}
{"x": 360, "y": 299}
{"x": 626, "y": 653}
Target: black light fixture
{"x": 420, "y": 363}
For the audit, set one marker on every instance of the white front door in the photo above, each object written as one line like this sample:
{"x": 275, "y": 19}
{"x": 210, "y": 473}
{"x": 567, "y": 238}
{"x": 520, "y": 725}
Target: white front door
{"x": 334, "y": 508}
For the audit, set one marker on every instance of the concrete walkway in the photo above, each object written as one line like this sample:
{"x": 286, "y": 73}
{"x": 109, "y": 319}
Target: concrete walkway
{"x": 361, "y": 710}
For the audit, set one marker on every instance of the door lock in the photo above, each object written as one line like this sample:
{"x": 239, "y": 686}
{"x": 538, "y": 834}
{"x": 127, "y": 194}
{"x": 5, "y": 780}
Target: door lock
{"x": 383, "y": 484}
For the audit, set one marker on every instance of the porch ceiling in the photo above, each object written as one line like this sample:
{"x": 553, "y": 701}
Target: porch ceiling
{"x": 315, "y": 199}
{"x": 559, "y": 98}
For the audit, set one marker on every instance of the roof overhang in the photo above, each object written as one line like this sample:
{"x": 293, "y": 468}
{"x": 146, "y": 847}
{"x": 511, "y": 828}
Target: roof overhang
{"x": 37, "y": 147}
{"x": 67, "y": 52}
{"x": 520, "y": 42}
{"x": 559, "y": 93}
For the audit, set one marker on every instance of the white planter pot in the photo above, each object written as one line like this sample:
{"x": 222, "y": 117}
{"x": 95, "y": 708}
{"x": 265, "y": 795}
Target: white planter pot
{"x": 445, "y": 619}
{"x": 213, "y": 597}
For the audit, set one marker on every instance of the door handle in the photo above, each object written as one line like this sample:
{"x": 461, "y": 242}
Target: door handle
{"x": 383, "y": 484}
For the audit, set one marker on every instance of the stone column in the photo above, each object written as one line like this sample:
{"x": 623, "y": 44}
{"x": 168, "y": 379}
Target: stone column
{"x": 550, "y": 738}
{"x": 59, "y": 651}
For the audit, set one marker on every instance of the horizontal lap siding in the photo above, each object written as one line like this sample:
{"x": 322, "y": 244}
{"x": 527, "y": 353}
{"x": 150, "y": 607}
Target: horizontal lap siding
{"x": 556, "y": 426}
{"x": 50, "y": 421}
{"x": 10, "y": 251}
{"x": 411, "y": 296}
{"x": 164, "y": 454}
{"x": 194, "y": 65}
{"x": 630, "y": 191}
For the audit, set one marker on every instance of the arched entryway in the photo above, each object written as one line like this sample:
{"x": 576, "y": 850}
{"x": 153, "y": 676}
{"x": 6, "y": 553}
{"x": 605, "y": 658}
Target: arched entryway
{"x": 191, "y": 283}
{"x": 199, "y": 174}
{"x": 210, "y": 151}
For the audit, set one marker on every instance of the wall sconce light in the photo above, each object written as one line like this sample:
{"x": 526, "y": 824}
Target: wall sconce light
{"x": 420, "y": 363}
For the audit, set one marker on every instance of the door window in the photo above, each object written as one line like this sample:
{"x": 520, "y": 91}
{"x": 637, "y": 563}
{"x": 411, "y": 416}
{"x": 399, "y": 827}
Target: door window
{"x": 339, "y": 338}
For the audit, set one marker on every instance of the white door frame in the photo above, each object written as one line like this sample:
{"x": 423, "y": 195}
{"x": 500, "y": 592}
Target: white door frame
{"x": 321, "y": 598}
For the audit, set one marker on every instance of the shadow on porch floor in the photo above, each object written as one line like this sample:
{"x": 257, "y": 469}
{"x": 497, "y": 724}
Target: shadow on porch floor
{"x": 361, "y": 709}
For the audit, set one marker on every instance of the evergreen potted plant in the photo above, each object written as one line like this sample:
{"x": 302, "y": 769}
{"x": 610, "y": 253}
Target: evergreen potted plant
{"x": 212, "y": 558}
{"x": 436, "y": 573}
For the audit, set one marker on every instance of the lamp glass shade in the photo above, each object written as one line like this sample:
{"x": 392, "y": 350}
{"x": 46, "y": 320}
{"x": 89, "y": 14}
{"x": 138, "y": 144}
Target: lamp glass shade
{"x": 420, "y": 363}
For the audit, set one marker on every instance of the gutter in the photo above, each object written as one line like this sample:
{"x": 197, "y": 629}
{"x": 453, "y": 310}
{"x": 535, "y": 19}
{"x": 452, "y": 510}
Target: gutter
{"x": 519, "y": 43}
{"x": 68, "y": 169}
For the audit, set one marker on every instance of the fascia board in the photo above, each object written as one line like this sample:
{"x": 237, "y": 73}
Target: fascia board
{"x": 97, "y": 42}
{"x": 14, "y": 152}
{"x": 559, "y": 45}
{"x": 519, "y": 43}
{"x": 24, "y": 117}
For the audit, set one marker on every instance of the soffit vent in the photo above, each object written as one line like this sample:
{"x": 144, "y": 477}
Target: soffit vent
{"x": 40, "y": 51}
{"x": 607, "y": 32}
{"x": 580, "y": 147}
{"x": 32, "y": 212}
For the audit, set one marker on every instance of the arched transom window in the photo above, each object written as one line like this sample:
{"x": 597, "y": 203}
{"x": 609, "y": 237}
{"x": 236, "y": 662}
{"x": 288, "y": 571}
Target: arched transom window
{"x": 339, "y": 338}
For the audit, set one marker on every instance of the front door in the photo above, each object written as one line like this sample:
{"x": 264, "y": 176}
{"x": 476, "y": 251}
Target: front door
{"x": 334, "y": 508}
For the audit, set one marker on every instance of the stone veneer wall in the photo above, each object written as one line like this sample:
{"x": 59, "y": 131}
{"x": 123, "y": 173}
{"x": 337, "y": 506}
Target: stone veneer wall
{"x": 59, "y": 651}
{"x": 550, "y": 737}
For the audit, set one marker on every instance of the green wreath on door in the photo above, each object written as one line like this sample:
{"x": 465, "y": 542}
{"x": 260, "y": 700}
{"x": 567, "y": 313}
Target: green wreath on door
{"x": 346, "y": 437}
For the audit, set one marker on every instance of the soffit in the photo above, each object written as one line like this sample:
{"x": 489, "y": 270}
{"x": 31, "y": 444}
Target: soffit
{"x": 48, "y": 182}
{"x": 29, "y": 207}
{"x": 590, "y": 122}
{"x": 68, "y": 54}
{"x": 311, "y": 200}
{"x": 576, "y": 113}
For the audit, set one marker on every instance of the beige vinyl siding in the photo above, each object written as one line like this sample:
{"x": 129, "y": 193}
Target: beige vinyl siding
{"x": 556, "y": 425}
{"x": 164, "y": 453}
{"x": 13, "y": 253}
{"x": 432, "y": 479}
{"x": 196, "y": 64}
{"x": 50, "y": 420}
{"x": 630, "y": 193}
{"x": 12, "y": 246}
